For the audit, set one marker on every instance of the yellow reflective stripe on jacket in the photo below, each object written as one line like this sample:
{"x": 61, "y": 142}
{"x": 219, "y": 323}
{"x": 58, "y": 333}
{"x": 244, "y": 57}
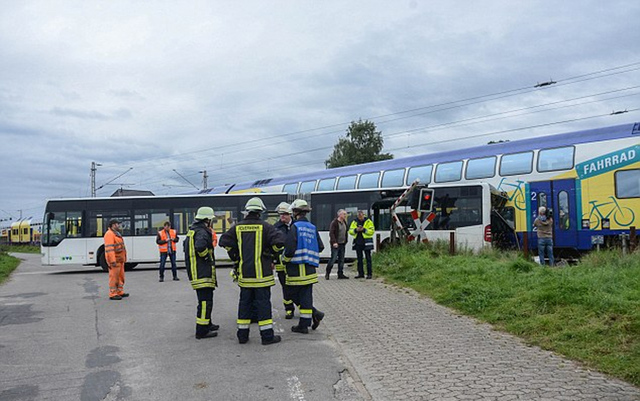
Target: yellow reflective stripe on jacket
{"x": 258, "y": 253}
{"x": 192, "y": 254}
{"x": 256, "y": 283}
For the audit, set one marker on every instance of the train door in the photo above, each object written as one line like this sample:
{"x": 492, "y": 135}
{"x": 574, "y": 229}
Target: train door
{"x": 560, "y": 196}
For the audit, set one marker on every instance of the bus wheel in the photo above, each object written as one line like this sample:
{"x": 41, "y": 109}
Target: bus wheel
{"x": 130, "y": 266}
{"x": 102, "y": 261}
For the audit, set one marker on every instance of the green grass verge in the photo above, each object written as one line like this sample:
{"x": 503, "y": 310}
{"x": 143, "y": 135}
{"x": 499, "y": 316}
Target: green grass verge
{"x": 7, "y": 265}
{"x": 20, "y": 248}
{"x": 589, "y": 312}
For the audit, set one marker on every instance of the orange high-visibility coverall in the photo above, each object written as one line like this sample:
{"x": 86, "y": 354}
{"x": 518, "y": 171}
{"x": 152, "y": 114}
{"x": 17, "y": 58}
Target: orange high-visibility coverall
{"x": 115, "y": 254}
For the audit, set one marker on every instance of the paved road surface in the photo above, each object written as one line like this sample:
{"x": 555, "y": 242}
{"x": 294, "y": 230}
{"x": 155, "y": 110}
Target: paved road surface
{"x": 62, "y": 339}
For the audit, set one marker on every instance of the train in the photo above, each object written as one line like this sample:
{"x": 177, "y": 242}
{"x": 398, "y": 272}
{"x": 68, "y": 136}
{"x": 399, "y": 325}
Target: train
{"x": 21, "y": 232}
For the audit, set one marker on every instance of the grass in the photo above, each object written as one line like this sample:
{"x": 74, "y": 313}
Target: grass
{"x": 20, "y": 248}
{"x": 7, "y": 265}
{"x": 589, "y": 312}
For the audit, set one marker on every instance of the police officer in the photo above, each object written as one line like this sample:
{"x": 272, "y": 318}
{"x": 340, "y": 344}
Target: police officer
{"x": 200, "y": 265}
{"x": 302, "y": 256}
{"x": 251, "y": 244}
{"x": 284, "y": 225}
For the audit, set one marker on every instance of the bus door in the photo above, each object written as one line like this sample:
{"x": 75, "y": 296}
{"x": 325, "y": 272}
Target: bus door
{"x": 560, "y": 196}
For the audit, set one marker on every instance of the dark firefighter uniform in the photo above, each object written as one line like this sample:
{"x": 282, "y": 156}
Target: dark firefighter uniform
{"x": 302, "y": 256}
{"x": 200, "y": 265}
{"x": 289, "y": 307}
{"x": 251, "y": 244}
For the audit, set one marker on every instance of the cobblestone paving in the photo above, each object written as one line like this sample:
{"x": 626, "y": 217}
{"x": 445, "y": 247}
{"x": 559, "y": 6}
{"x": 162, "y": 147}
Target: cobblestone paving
{"x": 406, "y": 347}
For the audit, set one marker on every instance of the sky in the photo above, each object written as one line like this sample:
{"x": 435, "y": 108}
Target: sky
{"x": 162, "y": 89}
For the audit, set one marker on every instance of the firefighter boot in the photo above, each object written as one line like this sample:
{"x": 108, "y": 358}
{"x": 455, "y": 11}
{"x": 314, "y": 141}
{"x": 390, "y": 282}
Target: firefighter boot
{"x": 243, "y": 336}
{"x": 300, "y": 329}
{"x": 202, "y": 331}
{"x": 317, "y": 317}
{"x": 271, "y": 340}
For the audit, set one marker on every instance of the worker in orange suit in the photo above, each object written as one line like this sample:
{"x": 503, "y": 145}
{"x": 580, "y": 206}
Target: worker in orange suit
{"x": 116, "y": 255}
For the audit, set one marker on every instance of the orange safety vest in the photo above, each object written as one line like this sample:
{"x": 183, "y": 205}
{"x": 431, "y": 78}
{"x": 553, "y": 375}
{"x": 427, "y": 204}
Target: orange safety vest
{"x": 114, "y": 250}
{"x": 163, "y": 236}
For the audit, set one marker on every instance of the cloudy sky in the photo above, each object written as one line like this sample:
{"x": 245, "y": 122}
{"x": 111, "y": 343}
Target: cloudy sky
{"x": 232, "y": 87}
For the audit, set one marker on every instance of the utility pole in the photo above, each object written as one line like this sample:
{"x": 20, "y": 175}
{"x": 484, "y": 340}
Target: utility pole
{"x": 94, "y": 166}
{"x": 204, "y": 179}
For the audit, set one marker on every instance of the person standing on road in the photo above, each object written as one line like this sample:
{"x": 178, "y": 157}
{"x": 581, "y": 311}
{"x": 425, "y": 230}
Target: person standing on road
{"x": 284, "y": 226}
{"x": 116, "y": 255}
{"x": 251, "y": 244}
{"x": 201, "y": 270}
{"x": 338, "y": 239}
{"x": 362, "y": 229}
{"x": 166, "y": 240}
{"x": 544, "y": 226}
{"x": 302, "y": 256}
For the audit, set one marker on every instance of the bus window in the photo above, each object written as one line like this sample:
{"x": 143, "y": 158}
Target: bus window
{"x": 225, "y": 218}
{"x": 393, "y": 178}
{"x": 448, "y": 172}
{"x": 627, "y": 183}
{"x": 149, "y": 222}
{"x": 422, "y": 172}
{"x": 369, "y": 180}
{"x": 182, "y": 219}
{"x": 516, "y": 163}
{"x": 556, "y": 159}
{"x": 291, "y": 188}
{"x": 481, "y": 168}
{"x": 307, "y": 186}
{"x": 73, "y": 225}
{"x": 323, "y": 216}
{"x": 327, "y": 184}
{"x": 99, "y": 222}
{"x": 348, "y": 182}
{"x": 457, "y": 207}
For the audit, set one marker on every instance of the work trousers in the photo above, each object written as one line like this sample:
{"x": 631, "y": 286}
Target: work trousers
{"x": 286, "y": 293}
{"x": 116, "y": 280}
{"x": 163, "y": 260}
{"x": 337, "y": 254}
{"x": 303, "y": 297}
{"x": 367, "y": 254}
{"x": 203, "y": 312}
{"x": 255, "y": 301}
{"x": 545, "y": 248}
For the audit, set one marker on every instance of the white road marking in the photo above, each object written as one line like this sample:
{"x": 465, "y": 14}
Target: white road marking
{"x": 295, "y": 388}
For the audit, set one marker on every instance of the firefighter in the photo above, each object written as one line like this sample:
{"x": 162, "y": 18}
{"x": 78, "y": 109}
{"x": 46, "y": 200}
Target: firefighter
{"x": 201, "y": 270}
{"x": 251, "y": 244}
{"x": 284, "y": 225}
{"x": 302, "y": 257}
{"x": 116, "y": 255}
{"x": 166, "y": 240}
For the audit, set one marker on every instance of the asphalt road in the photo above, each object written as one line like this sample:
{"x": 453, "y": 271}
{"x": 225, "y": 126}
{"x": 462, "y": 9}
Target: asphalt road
{"x": 61, "y": 338}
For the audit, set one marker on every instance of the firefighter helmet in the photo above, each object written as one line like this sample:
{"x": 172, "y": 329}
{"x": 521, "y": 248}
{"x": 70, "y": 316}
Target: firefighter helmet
{"x": 205, "y": 212}
{"x": 283, "y": 208}
{"x": 300, "y": 205}
{"x": 255, "y": 205}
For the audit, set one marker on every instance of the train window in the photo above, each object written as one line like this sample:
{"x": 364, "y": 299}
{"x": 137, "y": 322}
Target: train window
{"x": 348, "y": 182}
{"x": 563, "y": 210}
{"x": 393, "y": 178}
{"x": 516, "y": 163}
{"x": 422, "y": 172}
{"x": 556, "y": 159}
{"x": 322, "y": 216}
{"x": 327, "y": 184}
{"x": 369, "y": 180}
{"x": 291, "y": 188}
{"x": 627, "y": 183}
{"x": 447, "y": 172}
{"x": 307, "y": 186}
{"x": 481, "y": 168}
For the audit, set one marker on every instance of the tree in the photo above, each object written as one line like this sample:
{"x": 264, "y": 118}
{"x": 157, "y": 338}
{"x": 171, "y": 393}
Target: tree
{"x": 362, "y": 144}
